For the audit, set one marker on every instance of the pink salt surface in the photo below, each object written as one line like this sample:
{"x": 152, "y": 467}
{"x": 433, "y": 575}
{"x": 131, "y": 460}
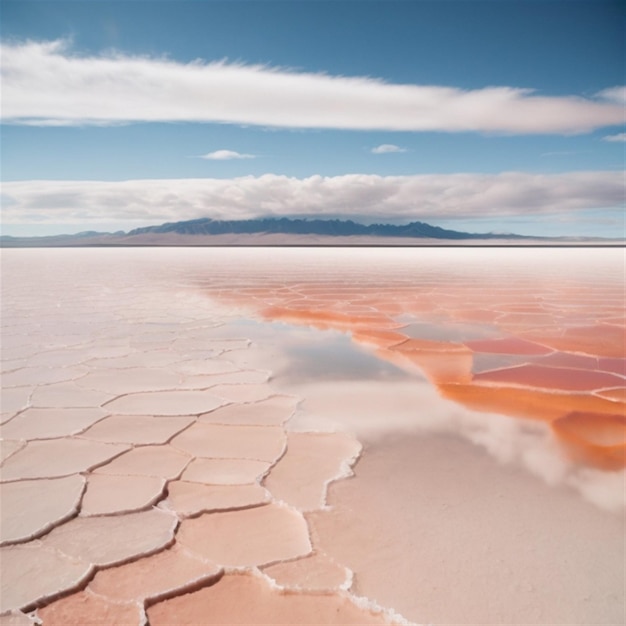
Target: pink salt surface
{"x": 245, "y": 599}
{"x": 51, "y": 423}
{"x": 165, "y": 403}
{"x": 273, "y": 411}
{"x": 225, "y": 471}
{"x": 163, "y": 461}
{"x": 37, "y": 506}
{"x": 172, "y": 571}
{"x": 428, "y": 515}
{"x": 256, "y": 536}
{"x": 457, "y": 524}
{"x": 189, "y": 499}
{"x": 137, "y": 429}
{"x": 87, "y": 609}
{"x": 311, "y": 461}
{"x": 52, "y": 396}
{"x": 112, "y": 495}
{"x": 58, "y": 457}
{"x": 316, "y": 572}
{"x": 261, "y": 443}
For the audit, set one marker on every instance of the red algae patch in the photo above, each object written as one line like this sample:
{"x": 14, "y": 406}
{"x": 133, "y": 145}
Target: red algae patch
{"x": 86, "y": 609}
{"x": 173, "y": 571}
{"x": 378, "y": 338}
{"x": 246, "y": 599}
{"x": 263, "y": 443}
{"x": 190, "y": 499}
{"x": 615, "y": 365}
{"x": 32, "y": 507}
{"x": 567, "y": 359}
{"x": 164, "y": 461}
{"x": 601, "y": 340}
{"x": 111, "y": 495}
{"x": 225, "y": 471}
{"x": 595, "y": 438}
{"x": 311, "y": 461}
{"x": 441, "y": 362}
{"x": 58, "y": 457}
{"x": 317, "y": 572}
{"x": 551, "y": 378}
{"x": 273, "y": 411}
{"x": 327, "y": 319}
{"x": 248, "y": 537}
{"x": 618, "y": 394}
{"x": 508, "y": 345}
{"x": 525, "y": 402}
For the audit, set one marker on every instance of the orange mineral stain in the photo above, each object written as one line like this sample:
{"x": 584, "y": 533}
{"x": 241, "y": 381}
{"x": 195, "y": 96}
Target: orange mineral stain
{"x": 594, "y": 438}
{"x": 564, "y": 338}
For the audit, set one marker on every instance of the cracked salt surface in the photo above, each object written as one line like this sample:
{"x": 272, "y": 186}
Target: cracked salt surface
{"x": 114, "y": 417}
{"x": 209, "y": 482}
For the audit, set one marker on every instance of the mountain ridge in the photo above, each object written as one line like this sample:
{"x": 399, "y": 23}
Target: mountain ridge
{"x": 285, "y": 231}
{"x": 300, "y": 226}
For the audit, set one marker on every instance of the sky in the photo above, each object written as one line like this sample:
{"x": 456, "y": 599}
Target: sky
{"x": 478, "y": 115}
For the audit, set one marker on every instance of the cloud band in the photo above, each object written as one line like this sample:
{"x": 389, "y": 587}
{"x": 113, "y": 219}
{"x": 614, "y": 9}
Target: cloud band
{"x": 406, "y": 198}
{"x": 46, "y": 84}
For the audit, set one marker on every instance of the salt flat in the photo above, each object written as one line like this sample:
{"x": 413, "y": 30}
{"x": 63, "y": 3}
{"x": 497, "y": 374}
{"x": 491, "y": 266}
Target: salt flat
{"x": 194, "y": 414}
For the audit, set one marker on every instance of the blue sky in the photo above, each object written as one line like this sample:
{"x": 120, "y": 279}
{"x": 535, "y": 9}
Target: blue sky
{"x": 493, "y": 115}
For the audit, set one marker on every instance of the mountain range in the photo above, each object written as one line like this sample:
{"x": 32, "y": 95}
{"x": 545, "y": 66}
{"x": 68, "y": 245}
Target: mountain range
{"x": 280, "y": 231}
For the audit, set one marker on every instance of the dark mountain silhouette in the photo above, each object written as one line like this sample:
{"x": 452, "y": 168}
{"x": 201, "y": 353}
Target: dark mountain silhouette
{"x": 331, "y": 228}
{"x": 286, "y": 231}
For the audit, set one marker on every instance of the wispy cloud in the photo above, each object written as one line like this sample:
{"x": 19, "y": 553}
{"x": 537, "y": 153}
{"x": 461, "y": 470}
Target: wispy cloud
{"x": 616, "y": 138}
{"x": 226, "y": 155}
{"x": 47, "y": 83}
{"x": 614, "y": 94}
{"x": 424, "y": 197}
{"x": 386, "y": 148}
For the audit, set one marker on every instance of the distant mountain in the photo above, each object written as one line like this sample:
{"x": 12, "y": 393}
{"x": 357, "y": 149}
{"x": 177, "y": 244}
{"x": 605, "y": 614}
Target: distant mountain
{"x": 288, "y": 232}
{"x": 287, "y": 226}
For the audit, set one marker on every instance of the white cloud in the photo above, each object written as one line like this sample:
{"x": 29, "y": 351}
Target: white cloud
{"x": 386, "y": 148}
{"x": 617, "y": 138}
{"x": 46, "y": 83}
{"x": 614, "y": 94}
{"x": 226, "y": 155}
{"x": 405, "y": 198}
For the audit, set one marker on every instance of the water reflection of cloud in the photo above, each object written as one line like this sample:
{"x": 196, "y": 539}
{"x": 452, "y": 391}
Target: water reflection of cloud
{"x": 374, "y": 410}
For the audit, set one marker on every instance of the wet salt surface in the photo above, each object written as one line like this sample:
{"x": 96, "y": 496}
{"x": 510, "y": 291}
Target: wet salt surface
{"x": 216, "y": 398}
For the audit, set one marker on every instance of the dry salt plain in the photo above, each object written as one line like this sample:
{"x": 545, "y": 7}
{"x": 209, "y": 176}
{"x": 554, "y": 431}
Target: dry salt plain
{"x": 352, "y": 436}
